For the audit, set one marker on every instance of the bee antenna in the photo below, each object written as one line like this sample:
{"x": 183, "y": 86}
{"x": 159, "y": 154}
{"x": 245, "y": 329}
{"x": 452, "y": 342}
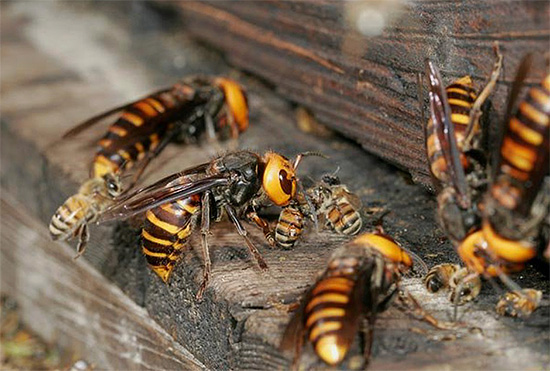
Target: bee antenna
{"x": 305, "y": 154}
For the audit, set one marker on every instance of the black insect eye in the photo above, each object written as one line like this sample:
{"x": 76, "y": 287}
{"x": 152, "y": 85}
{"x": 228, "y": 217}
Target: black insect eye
{"x": 286, "y": 183}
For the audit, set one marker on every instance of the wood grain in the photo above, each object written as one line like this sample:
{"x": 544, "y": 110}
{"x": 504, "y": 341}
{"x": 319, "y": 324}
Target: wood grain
{"x": 45, "y": 90}
{"x": 365, "y": 87}
{"x": 72, "y": 304}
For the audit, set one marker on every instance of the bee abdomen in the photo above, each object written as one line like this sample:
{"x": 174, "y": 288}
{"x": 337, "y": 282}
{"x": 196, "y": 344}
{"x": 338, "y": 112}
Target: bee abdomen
{"x": 289, "y": 227}
{"x": 166, "y": 229}
{"x": 344, "y": 218}
{"x": 69, "y": 216}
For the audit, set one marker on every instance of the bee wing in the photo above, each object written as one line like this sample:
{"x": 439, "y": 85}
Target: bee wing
{"x": 152, "y": 197}
{"x": 354, "y": 200}
{"x": 440, "y": 113}
{"x": 95, "y": 119}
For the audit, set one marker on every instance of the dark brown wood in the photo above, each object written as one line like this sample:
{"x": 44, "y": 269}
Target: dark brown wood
{"x": 45, "y": 89}
{"x": 365, "y": 87}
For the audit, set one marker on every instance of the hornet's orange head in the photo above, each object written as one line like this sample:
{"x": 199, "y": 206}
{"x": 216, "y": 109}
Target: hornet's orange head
{"x": 279, "y": 178}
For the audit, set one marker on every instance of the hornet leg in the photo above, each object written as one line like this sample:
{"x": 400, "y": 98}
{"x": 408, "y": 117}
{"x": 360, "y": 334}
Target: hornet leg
{"x": 205, "y": 230}
{"x": 262, "y": 224}
{"x": 240, "y": 229}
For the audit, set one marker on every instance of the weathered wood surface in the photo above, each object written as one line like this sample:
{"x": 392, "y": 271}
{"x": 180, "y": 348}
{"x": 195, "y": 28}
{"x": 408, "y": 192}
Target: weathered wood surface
{"x": 365, "y": 87}
{"x": 70, "y": 303}
{"x": 47, "y": 86}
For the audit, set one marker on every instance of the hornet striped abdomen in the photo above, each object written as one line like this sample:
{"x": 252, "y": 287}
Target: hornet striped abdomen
{"x": 517, "y": 203}
{"x": 359, "y": 281}
{"x": 327, "y": 308}
{"x": 139, "y": 129}
{"x": 461, "y": 97}
{"x": 524, "y": 151}
{"x": 165, "y": 232}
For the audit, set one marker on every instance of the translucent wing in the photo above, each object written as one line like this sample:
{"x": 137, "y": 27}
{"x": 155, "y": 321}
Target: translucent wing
{"x": 440, "y": 113}
{"x": 152, "y": 197}
{"x": 96, "y": 119}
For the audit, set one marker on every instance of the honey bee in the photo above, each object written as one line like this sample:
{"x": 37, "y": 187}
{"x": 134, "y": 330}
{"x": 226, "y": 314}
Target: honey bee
{"x": 199, "y": 104}
{"x": 515, "y": 205}
{"x": 72, "y": 218}
{"x": 361, "y": 279}
{"x": 235, "y": 184}
{"x": 330, "y": 202}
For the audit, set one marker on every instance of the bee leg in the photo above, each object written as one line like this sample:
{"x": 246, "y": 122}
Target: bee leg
{"x": 205, "y": 230}
{"x": 519, "y": 303}
{"x": 252, "y": 216}
{"x": 83, "y": 238}
{"x": 240, "y": 229}
{"x": 465, "y": 287}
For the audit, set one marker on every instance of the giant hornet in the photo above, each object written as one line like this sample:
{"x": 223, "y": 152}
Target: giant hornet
{"x": 329, "y": 202}
{"x": 235, "y": 184}
{"x": 457, "y": 164}
{"x": 196, "y": 105}
{"x": 361, "y": 279}
{"x": 515, "y": 206}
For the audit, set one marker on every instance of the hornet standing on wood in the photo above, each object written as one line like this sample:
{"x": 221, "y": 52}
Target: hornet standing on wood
{"x": 361, "y": 279}
{"x": 458, "y": 164}
{"x": 329, "y": 202}
{"x": 515, "y": 206}
{"x": 235, "y": 184}
{"x": 183, "y": 112}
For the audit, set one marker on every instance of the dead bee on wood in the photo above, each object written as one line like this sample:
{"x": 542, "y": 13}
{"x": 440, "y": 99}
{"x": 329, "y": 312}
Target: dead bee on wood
{"x": 360, "y": 281}
{"x": 328, "y": 202}
{"x": 235, "y": 184}
{"x": 190, "y": 108}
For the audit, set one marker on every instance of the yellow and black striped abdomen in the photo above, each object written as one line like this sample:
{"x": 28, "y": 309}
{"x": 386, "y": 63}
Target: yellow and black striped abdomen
{"x": 327, "y": 313}
{"x": 524, "y": 152}
{"x": 138, "y": 130}
{"x": 70, "y": 216}
{"x": 289, "y": 227}
{"x": 461, "y": 97}
{"x": 343, "y": 218}
{"x": 165, "y": 231}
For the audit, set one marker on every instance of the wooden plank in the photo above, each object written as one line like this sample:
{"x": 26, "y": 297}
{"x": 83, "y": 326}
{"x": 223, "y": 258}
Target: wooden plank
{"x": 365, "y": 87}
{"x": 237, "y": 325}
{"x": 70, "y": 303}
